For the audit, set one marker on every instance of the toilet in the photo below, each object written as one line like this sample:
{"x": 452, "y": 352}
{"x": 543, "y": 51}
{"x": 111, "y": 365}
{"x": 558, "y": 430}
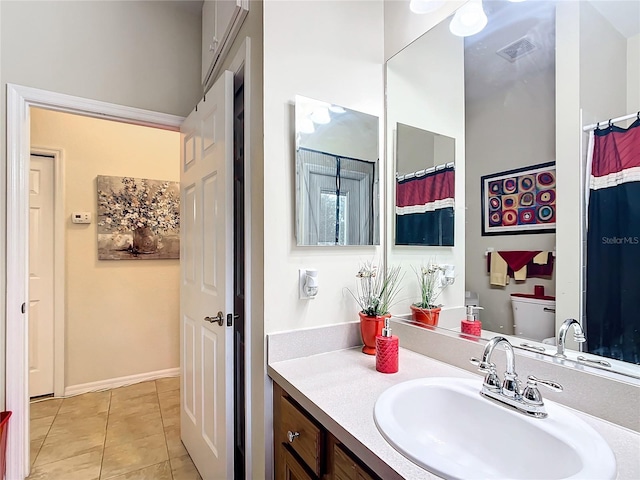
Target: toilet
{"x": 534, "y": 316}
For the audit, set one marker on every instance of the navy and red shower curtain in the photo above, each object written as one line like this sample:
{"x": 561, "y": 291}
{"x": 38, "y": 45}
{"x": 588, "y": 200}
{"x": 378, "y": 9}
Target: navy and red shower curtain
{"x": 613, "y": 244}
{"x": 424, "y": 209}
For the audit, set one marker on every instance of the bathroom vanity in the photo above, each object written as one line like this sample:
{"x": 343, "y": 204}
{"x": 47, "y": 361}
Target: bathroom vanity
{"x": 332, "y": 394}
{"x": 305, "y": 449}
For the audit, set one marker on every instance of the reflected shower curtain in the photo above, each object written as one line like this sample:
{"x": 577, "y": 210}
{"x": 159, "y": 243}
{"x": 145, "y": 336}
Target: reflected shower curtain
{"x": 613, "y": 244}
{"x": 424, "y": 209}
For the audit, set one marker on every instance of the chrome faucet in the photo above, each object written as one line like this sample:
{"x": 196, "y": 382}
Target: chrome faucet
{"x": 508, "y": 392}
{"x": 578, "y": 335}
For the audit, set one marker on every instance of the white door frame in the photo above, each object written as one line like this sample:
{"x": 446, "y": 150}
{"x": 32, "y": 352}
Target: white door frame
{"x": 240, "y": 61}
{"x": 57, "y": 154}
{"x": 19, "y": 100}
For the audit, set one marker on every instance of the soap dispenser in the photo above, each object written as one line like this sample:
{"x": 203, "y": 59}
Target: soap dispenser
{"x": 471, "y": 325}
{"x": 387, "y": 350}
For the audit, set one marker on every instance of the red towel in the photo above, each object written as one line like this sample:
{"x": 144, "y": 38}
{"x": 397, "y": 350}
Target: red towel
{"x": 516, "y": 259}
{"x": 533, "y": 270}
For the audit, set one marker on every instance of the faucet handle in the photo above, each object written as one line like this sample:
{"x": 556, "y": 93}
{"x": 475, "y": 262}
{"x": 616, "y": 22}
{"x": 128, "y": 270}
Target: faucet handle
{"x": 491, "y": 380}
{"x": 533, "y": 381}
{"x": 485, "y": 367}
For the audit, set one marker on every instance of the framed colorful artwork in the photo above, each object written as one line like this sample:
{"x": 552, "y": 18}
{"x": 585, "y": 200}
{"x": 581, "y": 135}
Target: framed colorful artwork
{"x": 519, "y": 201}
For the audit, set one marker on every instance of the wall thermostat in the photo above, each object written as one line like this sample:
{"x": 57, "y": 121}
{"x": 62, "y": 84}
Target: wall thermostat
{"x": 81, "y": 217}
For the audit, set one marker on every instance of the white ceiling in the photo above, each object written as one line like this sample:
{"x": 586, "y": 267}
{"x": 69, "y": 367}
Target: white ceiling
{"x": 508, "y": 22}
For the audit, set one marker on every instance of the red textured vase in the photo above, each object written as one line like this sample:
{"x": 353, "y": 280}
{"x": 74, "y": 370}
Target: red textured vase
{"x": 426, "y": 316}
{"x": 370, "y": 328}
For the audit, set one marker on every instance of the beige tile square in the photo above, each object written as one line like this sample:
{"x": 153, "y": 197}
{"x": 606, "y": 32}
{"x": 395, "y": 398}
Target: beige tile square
{"x": 35, "y": 449}
{"x": 183, "y": 468}
{"x": 167, "y": 384}
{"x": 169, "y": 399}
{"x": 44, "y": 408}
{"x": 171, "y": 416}
{"x": 86, "y": 405}
{"x": 137, "y": 454}
{"x": 72, "y": 425}
{"x": 39, "y": 427}
{"x": 127, "y": 428}
{"x": 126, "y": 406}
{"x": 170, "y": 408}
{"x": 159, "y": 471}
{"x": 59, "y": 447}
{"x": 80, "y": 467}
{"x": 135, "y": 390}
{"x": 174, "y": 443}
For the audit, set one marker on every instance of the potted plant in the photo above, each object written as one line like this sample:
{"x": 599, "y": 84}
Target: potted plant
{"x": 375, "y": 292}
{"x": 426, "y": 311}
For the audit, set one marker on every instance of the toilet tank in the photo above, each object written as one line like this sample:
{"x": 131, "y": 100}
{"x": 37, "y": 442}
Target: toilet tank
{"x": 534, "y": 317}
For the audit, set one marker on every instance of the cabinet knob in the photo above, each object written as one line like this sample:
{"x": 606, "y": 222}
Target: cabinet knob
{"x": 292, "y": 436}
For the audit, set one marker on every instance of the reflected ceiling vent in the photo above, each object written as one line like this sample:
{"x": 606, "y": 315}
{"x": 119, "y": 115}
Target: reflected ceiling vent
{"x": 517, "y": 49}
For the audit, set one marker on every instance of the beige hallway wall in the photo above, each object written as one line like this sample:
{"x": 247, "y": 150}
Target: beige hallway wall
{"x": 122, "y": 316}
{"x": 143, "y": 54}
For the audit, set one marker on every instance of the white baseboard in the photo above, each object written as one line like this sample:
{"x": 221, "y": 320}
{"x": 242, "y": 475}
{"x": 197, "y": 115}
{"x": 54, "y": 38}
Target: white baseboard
{"x": 120, "y": 381}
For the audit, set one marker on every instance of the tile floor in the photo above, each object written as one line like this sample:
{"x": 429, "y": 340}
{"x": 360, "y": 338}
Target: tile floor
{"x": 129, "y": 433}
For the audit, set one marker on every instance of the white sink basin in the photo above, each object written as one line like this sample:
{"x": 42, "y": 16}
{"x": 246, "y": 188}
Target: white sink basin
{"x": 446, "y": 427}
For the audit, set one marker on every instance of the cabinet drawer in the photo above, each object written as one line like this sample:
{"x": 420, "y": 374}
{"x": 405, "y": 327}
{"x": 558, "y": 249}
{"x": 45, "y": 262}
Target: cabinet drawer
{"x": 308, "y": 442}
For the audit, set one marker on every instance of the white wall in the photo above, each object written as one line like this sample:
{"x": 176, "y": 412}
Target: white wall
{"x": 497, "y": 141}
{"x": 568, "y": 163}
{"x": 633, "y": 74}
{"x": 136, "y": 53}
{"x": 115, "y": 324}
{"x": 330, "y": 51}
{"x": 603, "y": 67}
{"x": 422, "y": 96}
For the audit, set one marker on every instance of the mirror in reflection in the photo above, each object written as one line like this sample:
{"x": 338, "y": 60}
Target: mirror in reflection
{"x": 425, "y": 186}
{"x": 515, "y": 95}
{"x": 337, "y": 167}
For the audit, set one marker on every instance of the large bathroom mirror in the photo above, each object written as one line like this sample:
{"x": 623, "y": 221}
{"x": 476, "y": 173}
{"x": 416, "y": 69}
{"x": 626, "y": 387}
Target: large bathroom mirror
{"x": 515, "y": 98}
{"x": 424, "y": 187}
{"x": 337, "y": 168}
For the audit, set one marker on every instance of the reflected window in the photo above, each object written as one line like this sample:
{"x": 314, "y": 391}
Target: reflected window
{"x": 333, "y": 219}
{"x": 324, "y": 178}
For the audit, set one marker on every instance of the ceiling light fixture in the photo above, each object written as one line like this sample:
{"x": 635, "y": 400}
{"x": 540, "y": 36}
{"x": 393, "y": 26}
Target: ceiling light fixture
{"x": 336, "y": 109}
{"x": 469, "y": 19}
{"x": 320, "y": 115}
{"x": 425, "y": 6}
{"x": 306, "y": 126}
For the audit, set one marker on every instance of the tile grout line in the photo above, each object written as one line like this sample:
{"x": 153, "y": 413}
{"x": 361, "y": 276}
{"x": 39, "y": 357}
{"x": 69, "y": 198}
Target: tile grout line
{"x": 164, "y": 432}
{"x": 32, "y": 461}
{"x": 35, "y": 457}
{"x": 106, "y": 428}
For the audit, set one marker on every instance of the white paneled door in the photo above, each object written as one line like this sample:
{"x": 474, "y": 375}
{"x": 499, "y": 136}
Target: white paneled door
{"x": 206, "y": 288}
{"x": 41, "y": 197}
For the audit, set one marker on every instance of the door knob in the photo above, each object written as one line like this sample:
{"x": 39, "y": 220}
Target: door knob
{"x": 217, "y": 319}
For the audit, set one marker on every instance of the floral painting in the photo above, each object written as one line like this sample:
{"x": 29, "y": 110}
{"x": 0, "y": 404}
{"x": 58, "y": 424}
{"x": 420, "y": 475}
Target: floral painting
{"x": 138, "y": 219}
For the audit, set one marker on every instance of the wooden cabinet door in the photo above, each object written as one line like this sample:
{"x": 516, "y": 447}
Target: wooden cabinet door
{"x": 292, "y": 469}
{"x": 345, "y": 467}
{"x": 221, "y": 21}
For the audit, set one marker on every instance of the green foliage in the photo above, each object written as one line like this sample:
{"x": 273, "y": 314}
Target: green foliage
{"x": 428, "y": 279}
{"x": 375, "y": 291}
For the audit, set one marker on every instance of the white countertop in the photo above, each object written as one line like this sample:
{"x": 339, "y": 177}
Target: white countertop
{"x": 340, "y": 388}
